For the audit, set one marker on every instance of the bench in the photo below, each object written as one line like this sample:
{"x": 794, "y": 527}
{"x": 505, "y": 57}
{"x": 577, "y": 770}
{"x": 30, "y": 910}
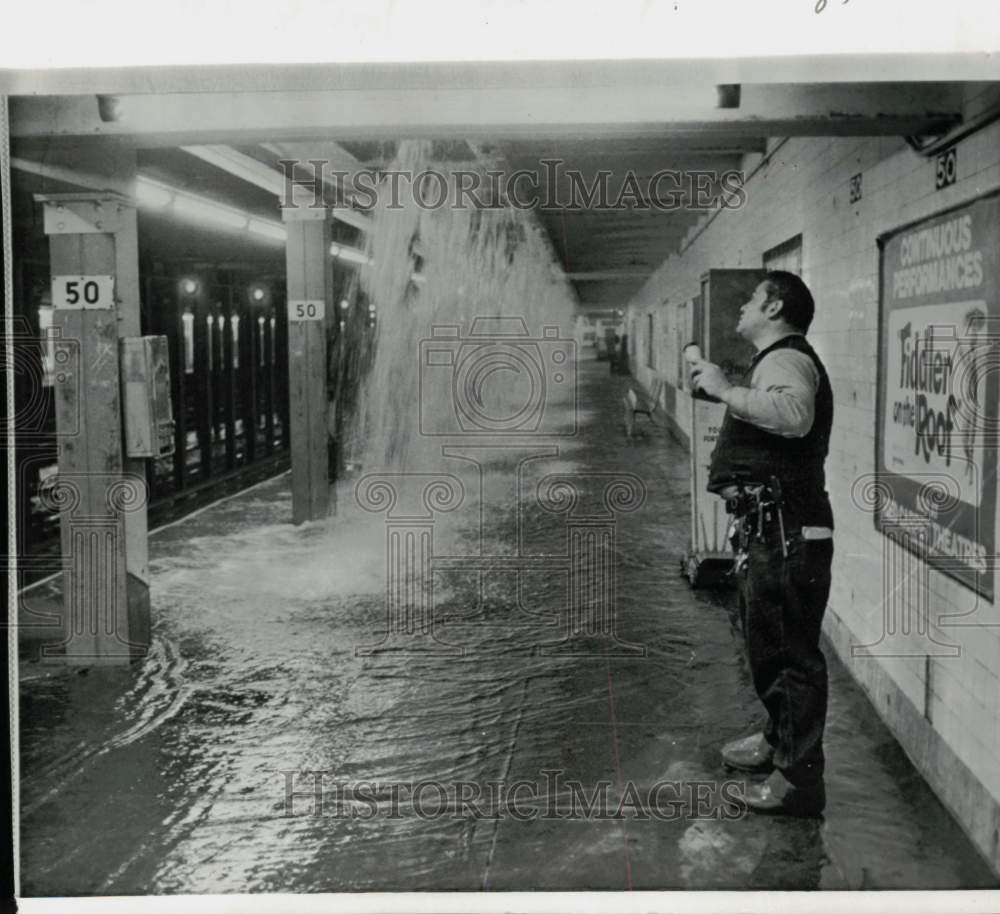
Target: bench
{"x": 638, "y": 403}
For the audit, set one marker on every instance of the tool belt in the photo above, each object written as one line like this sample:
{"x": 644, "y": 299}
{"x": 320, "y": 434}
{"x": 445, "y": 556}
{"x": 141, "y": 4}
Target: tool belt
{"x": 758, "y": 513}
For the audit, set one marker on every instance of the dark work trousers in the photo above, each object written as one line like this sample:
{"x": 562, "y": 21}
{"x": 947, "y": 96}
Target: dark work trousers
{"x": 782, "y": 601}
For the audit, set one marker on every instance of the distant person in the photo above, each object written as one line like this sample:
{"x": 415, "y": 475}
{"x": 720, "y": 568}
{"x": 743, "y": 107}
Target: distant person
{"x": 768, "y": 464}
{"x": 623, "y": 365}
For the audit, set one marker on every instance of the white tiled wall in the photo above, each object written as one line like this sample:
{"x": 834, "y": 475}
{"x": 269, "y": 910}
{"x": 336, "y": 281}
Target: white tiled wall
{"x": 804, "y": 189}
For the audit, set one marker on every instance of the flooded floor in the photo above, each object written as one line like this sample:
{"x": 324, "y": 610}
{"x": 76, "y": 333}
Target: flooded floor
{"x": 535, "y": 738}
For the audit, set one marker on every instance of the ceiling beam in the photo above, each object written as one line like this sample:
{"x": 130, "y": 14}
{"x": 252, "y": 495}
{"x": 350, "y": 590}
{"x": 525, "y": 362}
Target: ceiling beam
{"x": 267, "y": 77}
{"x": 600, "y": 305}
{"x": 257, "y": 173}
{"x": 239, "y": 165}
{"x": 178, "y": 119}
{"x": 629, "y": 275}
{"x": 333, "y": 154}
{"x": 642, "y": 164}
{"x": 644, "y": 216}
{"x": 634, "y": 148}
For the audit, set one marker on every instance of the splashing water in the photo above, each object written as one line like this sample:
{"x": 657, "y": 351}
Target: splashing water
{"x": 445, "y": 362}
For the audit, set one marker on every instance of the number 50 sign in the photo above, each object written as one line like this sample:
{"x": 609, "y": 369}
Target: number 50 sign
{"x": 78, "y": 293}
{"x": 310, "y": 310}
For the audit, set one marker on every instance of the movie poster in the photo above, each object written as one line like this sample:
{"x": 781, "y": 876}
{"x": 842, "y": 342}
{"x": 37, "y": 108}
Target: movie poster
{"x": 939, "y": 355}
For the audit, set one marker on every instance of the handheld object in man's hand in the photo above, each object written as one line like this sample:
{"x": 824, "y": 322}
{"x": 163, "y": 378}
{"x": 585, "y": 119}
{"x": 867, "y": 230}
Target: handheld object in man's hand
{"x": 692, "y": 355}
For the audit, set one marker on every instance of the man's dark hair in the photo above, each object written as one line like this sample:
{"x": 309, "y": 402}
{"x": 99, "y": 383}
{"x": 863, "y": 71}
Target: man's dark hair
{"x": 797, "y": 306}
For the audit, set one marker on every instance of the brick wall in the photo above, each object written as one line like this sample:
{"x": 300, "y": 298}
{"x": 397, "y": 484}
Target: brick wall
{"x": 948, "y": 677}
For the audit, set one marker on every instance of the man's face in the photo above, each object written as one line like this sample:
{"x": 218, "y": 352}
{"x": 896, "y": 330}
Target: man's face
{"x": 754, "y": 314}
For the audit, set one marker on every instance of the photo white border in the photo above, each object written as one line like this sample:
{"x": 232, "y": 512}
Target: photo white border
{"x": 68, "y": 46}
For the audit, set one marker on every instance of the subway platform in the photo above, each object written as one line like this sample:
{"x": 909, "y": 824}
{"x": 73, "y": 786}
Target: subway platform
{"x": 271, "y": 743}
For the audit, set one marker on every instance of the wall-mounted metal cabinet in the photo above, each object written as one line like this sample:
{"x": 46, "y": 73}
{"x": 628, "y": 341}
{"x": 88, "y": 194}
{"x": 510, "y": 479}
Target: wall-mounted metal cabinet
{"x": 148, "y": 413}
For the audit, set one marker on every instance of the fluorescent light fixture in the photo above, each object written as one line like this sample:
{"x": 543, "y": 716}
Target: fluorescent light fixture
{"x": 155, "y": 195}
{"x": 151, "y": 193}
{"x": 353, "y": 255}
{"x": 159, "y": 196}
{"x": 273, "y": 230}
{"x": 202, "y": 210}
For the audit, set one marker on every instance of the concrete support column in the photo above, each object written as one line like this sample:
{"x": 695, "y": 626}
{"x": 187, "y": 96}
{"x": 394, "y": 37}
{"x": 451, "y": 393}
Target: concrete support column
{"x": 310, "y": 310}
{"x": 100, "y": 493}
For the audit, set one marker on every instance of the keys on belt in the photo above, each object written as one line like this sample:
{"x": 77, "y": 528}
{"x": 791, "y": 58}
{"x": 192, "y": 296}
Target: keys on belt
{"x": 739, "y": 537}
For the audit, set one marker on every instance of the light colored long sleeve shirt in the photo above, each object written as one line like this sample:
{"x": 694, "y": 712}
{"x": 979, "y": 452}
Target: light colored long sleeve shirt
{"x": 781, "y": 397}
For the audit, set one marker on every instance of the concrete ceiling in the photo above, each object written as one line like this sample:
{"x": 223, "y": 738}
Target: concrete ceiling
{"x": 609, "y": 251}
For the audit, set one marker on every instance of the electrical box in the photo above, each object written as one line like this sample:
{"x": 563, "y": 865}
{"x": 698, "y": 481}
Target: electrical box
{"x": 148, "y": 411}
{"x": 715, "y": 314}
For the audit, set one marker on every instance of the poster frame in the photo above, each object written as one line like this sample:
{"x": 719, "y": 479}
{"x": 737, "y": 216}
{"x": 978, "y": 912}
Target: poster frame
{"x": 982, "y": 585}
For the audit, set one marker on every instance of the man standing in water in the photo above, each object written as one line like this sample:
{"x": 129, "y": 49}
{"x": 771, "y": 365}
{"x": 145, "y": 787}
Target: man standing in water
{"x": 768, "y": 465}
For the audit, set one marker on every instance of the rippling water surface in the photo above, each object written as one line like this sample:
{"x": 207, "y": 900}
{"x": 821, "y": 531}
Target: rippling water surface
{"x": 171, "y": 776}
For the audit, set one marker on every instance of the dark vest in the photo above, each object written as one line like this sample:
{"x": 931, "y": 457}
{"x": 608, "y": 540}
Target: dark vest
{"x": 748, "y": 454}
